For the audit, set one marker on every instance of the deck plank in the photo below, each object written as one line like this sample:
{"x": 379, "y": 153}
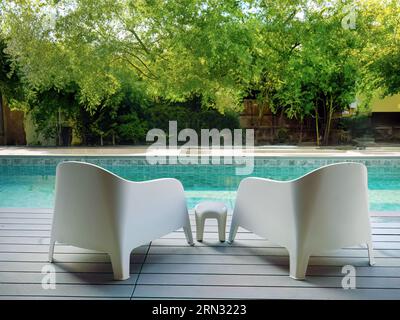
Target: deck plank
{"x": 63, "y": 257}
{"x": 263, "y": 281}
{"x": 10, "y": 277}
{"x": 60, "y": 267}
{"x": 168, "y": 268}
{"x": 271, "y": 269}
{"x": 231, "y": 292}
{"x": 69, "y": 290}
{"x": 44, "y": 248}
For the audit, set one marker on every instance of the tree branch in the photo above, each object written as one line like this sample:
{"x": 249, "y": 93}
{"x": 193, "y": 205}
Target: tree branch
{"x": 141, "y": 61}
{"x": 139, "y": 40}
{"x": 152, "y": 77}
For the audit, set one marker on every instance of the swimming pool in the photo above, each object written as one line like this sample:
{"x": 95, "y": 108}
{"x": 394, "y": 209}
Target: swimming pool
{"x": 29, "y": 181}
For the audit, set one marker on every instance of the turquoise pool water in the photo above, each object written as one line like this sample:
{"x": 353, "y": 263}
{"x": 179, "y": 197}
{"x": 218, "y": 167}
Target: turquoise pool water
{"x": 29, "y": 181}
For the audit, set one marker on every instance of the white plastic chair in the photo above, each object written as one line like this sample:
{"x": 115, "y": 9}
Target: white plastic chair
{"x": 95, "y": 209}
{"x": 322, "y": 210}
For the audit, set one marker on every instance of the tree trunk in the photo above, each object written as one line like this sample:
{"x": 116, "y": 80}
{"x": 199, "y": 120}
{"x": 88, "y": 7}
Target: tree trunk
{"x": 262, "y": 107}
{"x": 328, "y": 120}
{"x": 3, "y": 125}
{"x": 316, "y": 125}
{"x": 301, "y": 131}
{"x": 59, "y": 128}
{"x": 1, "y": 117}
{"x": 261, "y": 111}
{"x": 281, "y": 117}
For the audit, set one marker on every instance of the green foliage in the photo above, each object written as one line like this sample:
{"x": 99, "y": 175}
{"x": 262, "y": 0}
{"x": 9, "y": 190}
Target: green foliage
{"x": 132, "y": 129}
{"x": 189, "y": 114}
{"x": 52, "y": 109}
{"x": 124, "y": 118}
{"x": 358, "y": 125}
{"x": 11, "y": 88}
{"x": 170, "y": 45}
{"x": 282, "y": 135}
{"x": 135, "y": 64}
{"x": 380, "y": 61}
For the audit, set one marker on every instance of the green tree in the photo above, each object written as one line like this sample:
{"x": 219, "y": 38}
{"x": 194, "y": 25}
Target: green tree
{"x": 324, "y": 72}
{"x": 170, "y": 45}
{"x": 309, "y": 64}
{"x": 295, "y": 56}
{"x": 379, "y": 21}
{"x": 53, "y": 109}
{"x": 12, "y": 93}
{"x": 11, "y": 88}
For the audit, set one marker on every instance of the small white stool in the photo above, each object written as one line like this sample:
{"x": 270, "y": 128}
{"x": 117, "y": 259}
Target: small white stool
{"x": 214, "y": 210}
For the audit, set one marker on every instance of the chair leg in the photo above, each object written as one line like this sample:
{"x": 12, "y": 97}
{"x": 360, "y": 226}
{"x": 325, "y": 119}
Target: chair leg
{"x": 120, "y": 264}
{"x": 187, "y": 229}
{"x": 51, "y": 250}
{"x": 199, "y": 227}
{"x": 222, "y": 227}
{"x": 233, "y": 231}
{"x": 370, "y": 253}
{"x": 298, "y": 265}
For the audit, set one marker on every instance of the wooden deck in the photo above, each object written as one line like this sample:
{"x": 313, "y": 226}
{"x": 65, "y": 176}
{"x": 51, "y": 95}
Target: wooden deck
{"x": 168, "y": 268}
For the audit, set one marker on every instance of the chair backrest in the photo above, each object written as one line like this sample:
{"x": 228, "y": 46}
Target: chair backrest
{"x": 155, "y": 208}
{"x": 85, "y": 202}
{"x": 265, "y": 207}
{"x": 332, "y": 205}
{"x": 322, "y": 209}
{"x": 96, "y": 209}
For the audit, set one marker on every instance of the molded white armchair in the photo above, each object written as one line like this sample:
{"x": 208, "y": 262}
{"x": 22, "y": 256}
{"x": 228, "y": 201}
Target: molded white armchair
{"x": 95, "y": 209}
{"x": 322, "y": 210}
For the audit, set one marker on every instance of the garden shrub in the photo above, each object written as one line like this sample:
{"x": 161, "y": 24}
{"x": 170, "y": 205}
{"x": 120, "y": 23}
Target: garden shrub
{"x": 123, "y": 119}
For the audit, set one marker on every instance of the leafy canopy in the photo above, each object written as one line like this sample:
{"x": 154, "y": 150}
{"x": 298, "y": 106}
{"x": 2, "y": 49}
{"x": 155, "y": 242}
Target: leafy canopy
{"x": 292, "y": 55}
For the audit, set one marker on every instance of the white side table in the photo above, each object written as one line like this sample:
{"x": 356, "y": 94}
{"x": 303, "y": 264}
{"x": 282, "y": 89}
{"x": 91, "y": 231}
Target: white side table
{"x": 210, "y": 210}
